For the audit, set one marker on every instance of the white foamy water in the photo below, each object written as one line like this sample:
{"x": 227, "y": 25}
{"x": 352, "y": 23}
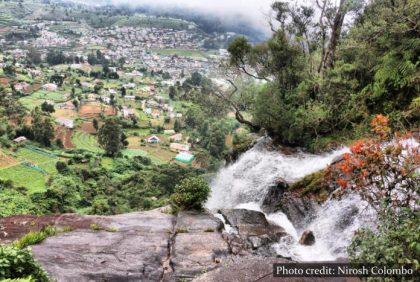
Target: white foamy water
{"x": 244, "y": 184}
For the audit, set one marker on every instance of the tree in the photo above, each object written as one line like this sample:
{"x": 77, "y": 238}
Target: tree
{"x": 172, "y": 92}
{"x": 47, "y": 107}
{"x": 190, "y": 194}
{"x": 42, "y": 128}
{"x": 177, "y": 125}
{"x": 111, "y": 137}
{"x": 95, "y": 124}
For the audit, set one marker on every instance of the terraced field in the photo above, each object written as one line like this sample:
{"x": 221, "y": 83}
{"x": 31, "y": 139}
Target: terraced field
{"x": 23, "y": 176}
{"x": 6, "y": 19}
{"x": 86, "y": 141}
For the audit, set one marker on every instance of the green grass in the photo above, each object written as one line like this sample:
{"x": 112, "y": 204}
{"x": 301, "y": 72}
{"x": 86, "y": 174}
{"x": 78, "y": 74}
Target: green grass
{"x": 46, "y": 95}
{"x": 86, "y": 141}
{"x": 135, "y": 153}
{"x": 107, "y": 162}
{"x": 23, "y": 176}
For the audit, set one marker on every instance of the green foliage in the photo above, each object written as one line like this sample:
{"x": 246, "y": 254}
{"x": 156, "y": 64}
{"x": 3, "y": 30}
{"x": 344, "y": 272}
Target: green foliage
{"x": 111, "y": 137}
{"x": 190, "y": 194}
{"x": 397, "y": 241}
{"x": 19, "y": 263}
{"x": 35, "y": 237}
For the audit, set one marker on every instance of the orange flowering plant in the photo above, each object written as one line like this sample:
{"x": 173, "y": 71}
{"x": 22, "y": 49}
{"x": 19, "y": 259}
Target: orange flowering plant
{"x": 383, "y": 169}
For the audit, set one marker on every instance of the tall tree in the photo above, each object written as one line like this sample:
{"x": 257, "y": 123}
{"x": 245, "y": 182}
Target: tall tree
{"x": 111, "y": 137}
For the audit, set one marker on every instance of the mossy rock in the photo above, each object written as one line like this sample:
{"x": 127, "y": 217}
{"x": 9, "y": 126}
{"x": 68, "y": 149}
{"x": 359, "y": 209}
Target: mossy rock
{"x": 312, "y": 184}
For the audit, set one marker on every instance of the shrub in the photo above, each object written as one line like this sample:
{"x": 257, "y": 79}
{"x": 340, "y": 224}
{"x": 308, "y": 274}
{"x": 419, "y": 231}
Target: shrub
{"x": 190, "y": 194}
{"x": 380, "y": 168}
{"x": 35, "y": 237}
{"x": 19, "y": 263}
{"x": 397, "y": 241}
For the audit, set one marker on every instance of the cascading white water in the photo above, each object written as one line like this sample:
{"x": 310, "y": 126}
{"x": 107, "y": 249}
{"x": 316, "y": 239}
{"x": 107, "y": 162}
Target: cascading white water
{"x": 245, "y": 183}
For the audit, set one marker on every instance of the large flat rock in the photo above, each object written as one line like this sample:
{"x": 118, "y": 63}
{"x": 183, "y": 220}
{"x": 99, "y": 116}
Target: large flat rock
{"x": 137, "y": 251}
{"x": 197, "y": 246}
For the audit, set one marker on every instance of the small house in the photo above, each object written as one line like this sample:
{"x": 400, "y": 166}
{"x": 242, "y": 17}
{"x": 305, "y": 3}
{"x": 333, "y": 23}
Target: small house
{"x": 176, "y": 138}
{"x": 51, "y": 87}
{"x": 69, "y": 123}
{"x": 130, "y": 98}
{"x": 153, "y": 139}
{"x": 184, "y": 157}
{"x": 177, "y": 147}
{"x": 20, "y": 140}
{"x": 156, "y": 113}
{"x": 169, "y": 132}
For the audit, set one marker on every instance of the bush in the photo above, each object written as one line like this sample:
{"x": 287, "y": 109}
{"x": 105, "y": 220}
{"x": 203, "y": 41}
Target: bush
{"x": 397, "y": 241}
{"x": 19, "y": 263}
{"x": 35, "y": 237}
{"x": 190, "y": 194}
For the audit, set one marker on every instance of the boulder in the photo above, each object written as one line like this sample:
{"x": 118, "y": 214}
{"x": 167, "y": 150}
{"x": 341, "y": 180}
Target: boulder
{"x": 254, "y": 233}
{"x": 307, "y": 238}
{"x": 136, "y": 251}
{"x": 299, "y": 209}
{"x": 274, "y": 195}
{"x": 197, "y": 245}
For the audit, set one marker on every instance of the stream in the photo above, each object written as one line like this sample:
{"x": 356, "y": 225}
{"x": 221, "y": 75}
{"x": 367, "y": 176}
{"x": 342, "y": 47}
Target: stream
{"x": 243, "y": 185}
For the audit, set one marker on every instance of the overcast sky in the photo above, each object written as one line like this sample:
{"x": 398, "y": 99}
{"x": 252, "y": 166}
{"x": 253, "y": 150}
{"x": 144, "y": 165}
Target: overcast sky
{"x": 255, "y": 11}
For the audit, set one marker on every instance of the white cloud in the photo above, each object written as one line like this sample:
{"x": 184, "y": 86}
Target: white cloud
{"x": 254, "y": 11}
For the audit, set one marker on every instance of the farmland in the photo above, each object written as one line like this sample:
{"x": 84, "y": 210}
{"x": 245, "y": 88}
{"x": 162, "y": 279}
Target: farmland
{"x": 85, "y": 141}
{"x": 25, "y": 176}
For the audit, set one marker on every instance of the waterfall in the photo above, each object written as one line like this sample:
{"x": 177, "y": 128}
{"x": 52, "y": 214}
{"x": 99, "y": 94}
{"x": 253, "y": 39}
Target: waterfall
{"x": 244, "y": 184}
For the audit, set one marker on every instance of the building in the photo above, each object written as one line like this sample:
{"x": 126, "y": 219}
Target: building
{"x": 51, "y": 87}
{"x": 153, "y": 139}
{"x": 69, "y": 123}
{"x": 177, "y": 147}
{"x": 156, "y": 113}
{"x": 176, "y": 137}
{"x": 184, "y": 157}
{"x": 67, "y": 106}
{"x": 130, "y": 98}
{"x": 20, "y": 140}
{"x": 128, "y": 112}
{"x": 169, "y": 132}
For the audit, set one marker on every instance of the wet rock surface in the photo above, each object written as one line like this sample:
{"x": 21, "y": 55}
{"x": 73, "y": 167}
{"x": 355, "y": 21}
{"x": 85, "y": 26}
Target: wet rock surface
{"x": 274, "y": 195}
{"x": 254, "y": 233}
{"x": 299, "y": 209}
{"x": 307, "y": 238}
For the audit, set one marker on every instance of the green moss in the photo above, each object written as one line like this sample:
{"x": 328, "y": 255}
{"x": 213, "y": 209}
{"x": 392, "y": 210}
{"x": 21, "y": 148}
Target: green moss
{"x": 104, "y": 228}
{"x": 311, "y": 184}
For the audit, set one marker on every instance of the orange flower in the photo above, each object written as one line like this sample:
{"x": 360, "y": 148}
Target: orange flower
{"x": 342, "y": 182}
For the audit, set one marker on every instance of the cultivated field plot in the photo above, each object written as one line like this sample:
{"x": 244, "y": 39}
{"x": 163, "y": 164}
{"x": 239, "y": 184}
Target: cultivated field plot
{"x": 65, "y": 135}
{"x": 86, "y": 141}
{"x": 45, "y": 162}
{"x": 93, "y": 110}
{"x": 87, "y": 127}
{"x": 64, "y": 113}
{"x": 7, "y": 161}
{"x": 24, "y": 176}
